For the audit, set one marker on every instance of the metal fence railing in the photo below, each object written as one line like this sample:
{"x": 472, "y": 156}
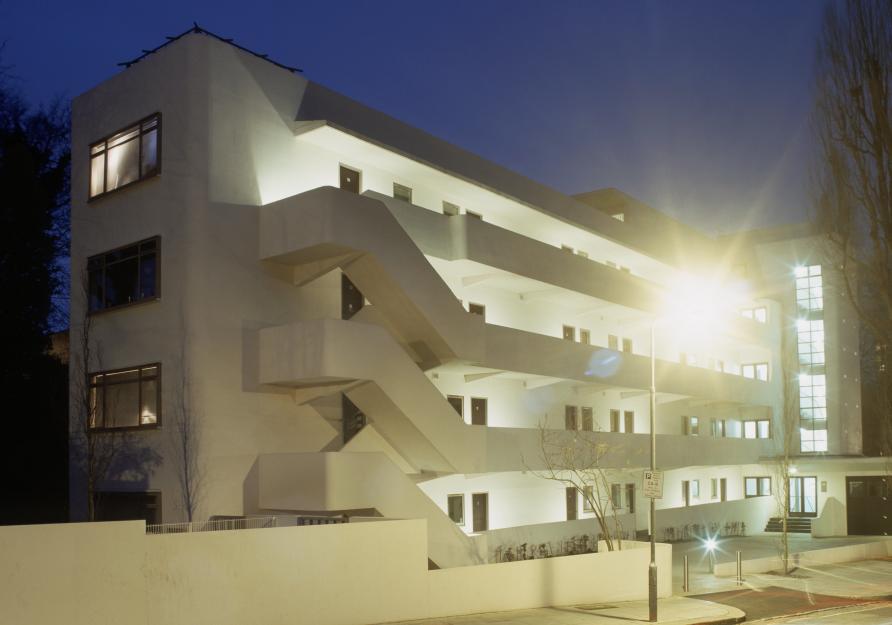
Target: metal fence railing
{"x": 218, "y": 524}
{"x": 213, "y": 525}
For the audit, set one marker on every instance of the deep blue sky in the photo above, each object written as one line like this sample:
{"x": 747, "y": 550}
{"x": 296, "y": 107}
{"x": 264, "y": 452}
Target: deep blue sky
{"x": 698, "y": 108}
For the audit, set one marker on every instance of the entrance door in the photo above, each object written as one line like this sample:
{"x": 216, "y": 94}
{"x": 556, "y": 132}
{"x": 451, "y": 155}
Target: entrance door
{"x": 803, "y": 496}
{"x": 868, "y": 508}
{"x": 349, "y": 179}
{"x": 478, "y": 411}
{"x": 571, "y": 503}
{"x": 723, "y": 489}
{"x": 480, "y": 503}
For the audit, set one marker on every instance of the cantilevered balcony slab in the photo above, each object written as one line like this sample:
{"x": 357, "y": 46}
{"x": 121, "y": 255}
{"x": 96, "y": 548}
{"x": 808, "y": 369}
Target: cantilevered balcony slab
{"x": 319, "y": 230}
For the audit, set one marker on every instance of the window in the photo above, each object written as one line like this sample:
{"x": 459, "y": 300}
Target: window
{"x": 349, "y": 179}
{"x": 809, "y": 288}
{"x": 756, "y": 486}
{"x": 616, "y": 496}
{"x": 695, "y": 489}
{"x": 812, "y": 440}
{"x": 474, "y": 215}
{"x": 569, "y": 333}
{"x": 124, "y": 276}
{"x": 614, "y": 420}
{"x": 478, "y": 411}
{"x": 713, "y": 488}
{"x": 755, "y": 371}
{"x": 718, "y": 428}
{"x": 458, "y": 403}
{"x": 612, "y": 342}
{"x": 128, "y": 156}
{"x": 455, "y": 504}
{"x": 757, "y": 429}
{"x": 627, "y": 345}
{"x": 759, "y": 314}
{"x": 585, "y": 336}
{"x": 571, "y": 420}
{"x": 588, "y": 495}
{"x": 126, "y": 398}
{"x": 450, "y": 209}
{"x": 477, "y": 309}
{"x": 629, "y": 418}
{"x": 401, "y": 192}
{"x": 812, "y": 412}
{"x": 691, "y": 426}
{"x": 810, "y": 336}
{"x": 128, "y": 506}
{"x": 588, "y": 419}
{"x": 630, "y": 497}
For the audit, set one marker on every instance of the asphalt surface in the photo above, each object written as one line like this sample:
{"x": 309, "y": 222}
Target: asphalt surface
{"x": 774, "y": 601}
{"x": 872, "y": 614}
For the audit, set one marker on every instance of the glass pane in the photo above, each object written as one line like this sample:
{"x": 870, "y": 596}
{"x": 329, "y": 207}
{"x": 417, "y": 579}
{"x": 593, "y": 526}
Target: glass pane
{"x": 764, "y": 485}
{"x": 97, "y": 175}
{"x": 148, "y": 412}
{"x": 750, "y": 486}
{"x": 122, "y": 405}
{"x": 149, "y": 153}
{"x": 95, "y": 289}
{"x": 123, "y": 136}
{"x": 147, "y": 276}
{"x": 749, "y": 429}
{"x": 121, "y": 282}
{"x": 763, "y": 429}
{"x": 123, "y": 164}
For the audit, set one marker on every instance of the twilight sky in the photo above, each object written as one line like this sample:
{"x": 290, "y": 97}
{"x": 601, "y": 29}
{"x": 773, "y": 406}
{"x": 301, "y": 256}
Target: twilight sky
{"x": 699, "y": 108}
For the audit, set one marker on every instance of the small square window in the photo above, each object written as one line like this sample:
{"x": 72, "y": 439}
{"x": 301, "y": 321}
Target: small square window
{"x": 569, "y": 333}
{"x": 585, "y": 336}
{"x": 477, "y": 309}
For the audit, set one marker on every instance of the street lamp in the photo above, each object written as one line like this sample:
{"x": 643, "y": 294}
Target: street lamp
{"x": 689, "y": 301}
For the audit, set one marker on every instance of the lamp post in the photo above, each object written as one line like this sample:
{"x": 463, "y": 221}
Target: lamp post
{"x": 652, "y": 569}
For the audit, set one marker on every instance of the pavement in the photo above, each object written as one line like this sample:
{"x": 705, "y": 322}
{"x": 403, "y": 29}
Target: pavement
{"x": 820, "y": 590}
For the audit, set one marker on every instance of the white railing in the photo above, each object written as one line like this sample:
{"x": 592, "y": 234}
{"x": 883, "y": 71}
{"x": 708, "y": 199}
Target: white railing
{"x": 213, "y": 525}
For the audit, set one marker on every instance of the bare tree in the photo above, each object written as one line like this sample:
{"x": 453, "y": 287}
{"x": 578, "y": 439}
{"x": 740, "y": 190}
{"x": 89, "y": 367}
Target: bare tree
{"x": 576, "y": 462}
{"x": 186, "y": 434}
{"x": 94, "y": 449}
{"x": 853, "y": 124}
{"x": 787, "y": 422}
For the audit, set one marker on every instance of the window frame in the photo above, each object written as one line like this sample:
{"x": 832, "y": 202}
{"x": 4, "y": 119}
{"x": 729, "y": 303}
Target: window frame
{"x": 158, "y": 397}
{"x": 140, "y": 178}
{"x": 139, "y": 302}
{"x": 759, "y": 481}
{"x": 460, "y": 497}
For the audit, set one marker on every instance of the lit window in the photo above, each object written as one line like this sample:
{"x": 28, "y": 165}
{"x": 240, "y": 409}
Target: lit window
{"x": 587, "y": 498}
{"x": 759, "y": 314}
{"x": 713, "y": 488}
{"x": 755, "y": 371}
{"x": 756, "y": 486}
{"x": 763, "y": 428}
{"x": 125, "y": 398}
{"x": 695, "y": 489}
{"x": 691, "y": 426}
{"x": 456, "y": 506}
{"x": 126, "y": 157}
{"x": 812, "y": 440}
{"x": 402, "y": 192}
{"x": 749, "y": 429}
{"x": 124, "y": 276}
{"x": 809, "y": 288}
{"x": 810, "y": 335}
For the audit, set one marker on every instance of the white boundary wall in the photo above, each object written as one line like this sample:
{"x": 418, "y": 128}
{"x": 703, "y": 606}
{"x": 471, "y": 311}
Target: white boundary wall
{"x": 347, "y": 574}
{"x": 882, "y": 548}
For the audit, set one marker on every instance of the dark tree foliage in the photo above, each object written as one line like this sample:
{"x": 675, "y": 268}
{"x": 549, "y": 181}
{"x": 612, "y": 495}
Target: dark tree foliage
{"x": 34, "y": 165}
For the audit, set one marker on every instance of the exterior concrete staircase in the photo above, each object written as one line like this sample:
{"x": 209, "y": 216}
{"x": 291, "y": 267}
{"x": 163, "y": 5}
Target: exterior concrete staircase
{"x": 795, "y": 525}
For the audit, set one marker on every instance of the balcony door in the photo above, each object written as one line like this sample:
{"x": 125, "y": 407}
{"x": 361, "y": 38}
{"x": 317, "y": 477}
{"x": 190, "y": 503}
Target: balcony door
{"x": 480, "y": 505}
{"x": 803, "y": 496}
{"x": 572, "y": 503}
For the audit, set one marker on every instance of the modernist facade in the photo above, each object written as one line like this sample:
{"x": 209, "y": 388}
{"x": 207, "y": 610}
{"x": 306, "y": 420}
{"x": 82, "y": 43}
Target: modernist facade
{"x": 357, "y": 317}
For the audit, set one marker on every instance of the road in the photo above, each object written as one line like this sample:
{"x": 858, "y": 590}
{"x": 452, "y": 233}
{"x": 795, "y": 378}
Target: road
{"x": 871, "y": 614}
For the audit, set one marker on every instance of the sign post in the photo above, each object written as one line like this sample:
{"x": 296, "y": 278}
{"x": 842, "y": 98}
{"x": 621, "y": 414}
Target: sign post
{"x": 653, "y": 484}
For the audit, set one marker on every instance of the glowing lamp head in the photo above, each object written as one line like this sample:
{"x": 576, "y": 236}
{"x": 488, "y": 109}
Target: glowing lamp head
{"x": 710, "y": 544}
{"x": 794, "y": 470}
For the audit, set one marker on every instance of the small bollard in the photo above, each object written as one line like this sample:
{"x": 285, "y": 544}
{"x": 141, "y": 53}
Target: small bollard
{"x": 686, "y": 581}
{"x": 739, "y": 569}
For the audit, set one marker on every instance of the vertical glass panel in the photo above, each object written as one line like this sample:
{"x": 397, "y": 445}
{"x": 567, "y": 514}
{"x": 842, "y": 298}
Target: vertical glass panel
{"x": 749, "y": 429}
{"x": 148, "y": 411}
{"x": 764, "y": 485}
{"x": 149, "y": 153}
{"x": 147, "y": 268}
{"x": 123, "y": 164}
{"x": 750, "y": 487}
{"x": 763, "y": 429}
{"x": 122, "y": 405}
{"x": 97, "y": 175}
{"x": 95, "y": 288}
{"x": 95, "y": 406}
{"x": 810, "y": 494}
{"x": 121, "y": 282}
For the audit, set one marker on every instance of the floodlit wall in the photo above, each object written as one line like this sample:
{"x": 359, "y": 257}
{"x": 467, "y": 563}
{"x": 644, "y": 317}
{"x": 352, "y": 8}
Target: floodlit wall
{"x": 91, "y": 574}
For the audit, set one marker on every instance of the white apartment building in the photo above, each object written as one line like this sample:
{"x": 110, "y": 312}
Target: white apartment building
{"x": 360, "y": 318}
